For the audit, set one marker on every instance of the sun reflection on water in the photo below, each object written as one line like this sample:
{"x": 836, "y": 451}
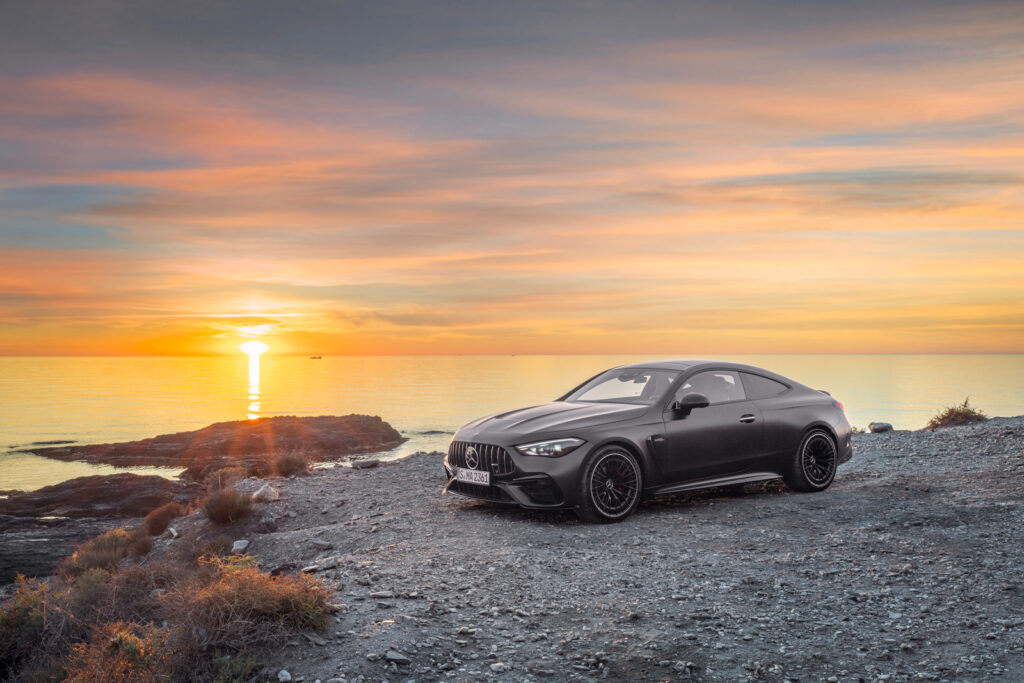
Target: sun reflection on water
{"x": 254, "y": 349}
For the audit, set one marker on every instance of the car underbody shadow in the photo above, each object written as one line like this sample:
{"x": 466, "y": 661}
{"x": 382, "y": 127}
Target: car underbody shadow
{"x": 504, "y": 511}
{"x": 675, "y": 500}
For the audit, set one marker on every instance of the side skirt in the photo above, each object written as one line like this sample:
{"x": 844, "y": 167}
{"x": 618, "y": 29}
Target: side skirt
{"x": 745, "y": 478}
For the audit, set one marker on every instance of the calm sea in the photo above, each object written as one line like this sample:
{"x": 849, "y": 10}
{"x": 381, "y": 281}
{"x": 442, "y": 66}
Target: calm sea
{"x": 97, "y": 400}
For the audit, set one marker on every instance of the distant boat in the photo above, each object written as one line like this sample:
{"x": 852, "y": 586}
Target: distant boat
{"x": 315, "y": 357}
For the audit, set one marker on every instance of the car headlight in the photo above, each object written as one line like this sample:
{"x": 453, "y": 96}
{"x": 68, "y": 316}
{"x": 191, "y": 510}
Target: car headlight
{"x": 550, "y": 449}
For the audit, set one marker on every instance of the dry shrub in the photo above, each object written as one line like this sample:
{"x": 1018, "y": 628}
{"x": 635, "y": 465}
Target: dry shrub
{"x": 227, "y": 505}
{"x": 209, "y": 547}
{"x": 157, "y": 520}
{"x": 89, "y": 588}
{"x": 224, "y": 477}
{"x": 105, "y": 551}
{"x": 961, "y": 414}
{"x": 287, "y": 464}
{"x": 238, "y": 606}
{"x": 22, "y": 621}
{"x": 178, "y": 619}
{"x": 120, "y": 652}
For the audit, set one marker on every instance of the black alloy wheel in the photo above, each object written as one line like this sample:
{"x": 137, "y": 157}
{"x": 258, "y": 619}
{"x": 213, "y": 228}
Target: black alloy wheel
{"x": 814, "y": 466}
{"x": 611, "y": 486}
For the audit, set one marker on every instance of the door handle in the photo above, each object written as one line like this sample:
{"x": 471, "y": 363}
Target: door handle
{"x": 748, "y": 418}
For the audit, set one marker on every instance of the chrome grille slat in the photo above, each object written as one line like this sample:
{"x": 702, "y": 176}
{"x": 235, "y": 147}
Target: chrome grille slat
{"x": 493, "y": 458}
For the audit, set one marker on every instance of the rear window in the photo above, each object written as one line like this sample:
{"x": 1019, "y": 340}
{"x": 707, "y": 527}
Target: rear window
{"x": 761, "y": 387}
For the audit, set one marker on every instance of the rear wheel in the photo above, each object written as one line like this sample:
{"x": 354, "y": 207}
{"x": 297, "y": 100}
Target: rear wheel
{"x": 813, "y": 467}
{"x": 610, "y": 486}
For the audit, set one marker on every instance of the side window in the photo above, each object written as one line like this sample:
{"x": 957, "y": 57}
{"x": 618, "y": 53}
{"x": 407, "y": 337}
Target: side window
{"x": 761, "y": 387}
{"x": 720, "y": 386}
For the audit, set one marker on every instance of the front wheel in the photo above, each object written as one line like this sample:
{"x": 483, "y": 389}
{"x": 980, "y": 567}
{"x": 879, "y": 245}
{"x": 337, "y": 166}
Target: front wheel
{"x": 814, "y": 464}
{"x": 610, "y": 486}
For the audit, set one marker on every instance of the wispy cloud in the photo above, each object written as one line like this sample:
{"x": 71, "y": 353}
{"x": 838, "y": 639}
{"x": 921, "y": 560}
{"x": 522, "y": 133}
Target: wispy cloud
{"x": 671, "y": 181}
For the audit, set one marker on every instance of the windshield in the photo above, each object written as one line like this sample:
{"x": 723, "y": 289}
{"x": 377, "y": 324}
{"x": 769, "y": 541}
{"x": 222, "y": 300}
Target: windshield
{"x": 626, "y": 385}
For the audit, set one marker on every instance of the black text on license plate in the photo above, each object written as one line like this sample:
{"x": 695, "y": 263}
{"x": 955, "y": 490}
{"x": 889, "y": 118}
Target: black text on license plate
{"x": 473, "y": 476}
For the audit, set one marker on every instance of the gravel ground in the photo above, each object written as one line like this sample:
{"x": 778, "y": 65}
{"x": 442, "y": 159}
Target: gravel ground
{"x": 907, "y": 568}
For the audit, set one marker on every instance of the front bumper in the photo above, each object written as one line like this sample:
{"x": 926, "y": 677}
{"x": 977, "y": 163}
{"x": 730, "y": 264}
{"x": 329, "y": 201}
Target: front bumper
{"x": 529, "y": 481}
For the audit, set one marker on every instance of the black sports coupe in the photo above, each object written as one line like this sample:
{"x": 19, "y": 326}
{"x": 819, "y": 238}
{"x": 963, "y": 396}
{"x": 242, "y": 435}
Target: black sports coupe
{"x": 650, "y": 429}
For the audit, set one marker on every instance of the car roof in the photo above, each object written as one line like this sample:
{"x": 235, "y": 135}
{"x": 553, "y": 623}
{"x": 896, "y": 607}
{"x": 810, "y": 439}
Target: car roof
{"x": 691, "y": 363}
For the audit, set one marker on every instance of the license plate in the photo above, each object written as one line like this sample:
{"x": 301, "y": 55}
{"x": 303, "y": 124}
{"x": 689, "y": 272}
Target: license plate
{"x": 473, "y": 476}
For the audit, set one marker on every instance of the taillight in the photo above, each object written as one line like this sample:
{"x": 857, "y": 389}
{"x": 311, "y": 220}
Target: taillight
{"x": 839, "y": 405}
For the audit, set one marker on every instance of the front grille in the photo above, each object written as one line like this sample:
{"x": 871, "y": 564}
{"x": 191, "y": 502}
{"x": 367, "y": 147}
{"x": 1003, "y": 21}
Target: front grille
{"x": 493, "y": 459}
{"x": 492, "y": 493}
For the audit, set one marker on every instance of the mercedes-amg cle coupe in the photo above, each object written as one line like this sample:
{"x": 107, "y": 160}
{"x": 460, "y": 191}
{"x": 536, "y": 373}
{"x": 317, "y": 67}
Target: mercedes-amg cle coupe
{"x": 650, "y": 429}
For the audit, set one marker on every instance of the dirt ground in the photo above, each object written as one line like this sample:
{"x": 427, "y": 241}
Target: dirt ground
{"x": 908, "y": 568}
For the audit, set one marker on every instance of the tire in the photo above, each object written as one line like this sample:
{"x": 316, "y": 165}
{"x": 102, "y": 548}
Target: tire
{"x": 813, "y": 467}
{"x": 610, "y": 487}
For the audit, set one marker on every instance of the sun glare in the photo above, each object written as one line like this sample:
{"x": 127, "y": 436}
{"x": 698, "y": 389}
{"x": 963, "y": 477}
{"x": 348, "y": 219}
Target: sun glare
{"x": 254, "y": 348}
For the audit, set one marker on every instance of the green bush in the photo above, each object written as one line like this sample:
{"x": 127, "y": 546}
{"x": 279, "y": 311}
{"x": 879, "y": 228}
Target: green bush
{"x": 961, "y": 414}
{"x": 227, "y": 505}
{"x": 156, "y": 521}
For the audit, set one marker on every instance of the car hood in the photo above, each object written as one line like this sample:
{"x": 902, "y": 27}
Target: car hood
{"x": 555, "y": 417}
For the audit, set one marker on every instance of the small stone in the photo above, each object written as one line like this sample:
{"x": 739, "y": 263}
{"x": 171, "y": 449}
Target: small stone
{"x": 382, "y": 594}
{"x": 365, "y": 464}
{"x": 267, "y": 525}
{"x": 322, "y": 545}
{"x": 396, "y": 657}
{"x": 315, "y": 639}
{"x": 498, "y": 667}
{"x": 239, "y": 546}
{"x": 173, "y": 532}
{"x": 878, "y": 427}
{"x": 266, "y": 494}
{"x": 284, "y": 676}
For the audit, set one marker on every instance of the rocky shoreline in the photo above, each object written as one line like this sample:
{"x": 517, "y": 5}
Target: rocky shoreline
{"x": 39, "y": 528}
{"x": 908, "y": 568}
{"x": 240, "y": 442}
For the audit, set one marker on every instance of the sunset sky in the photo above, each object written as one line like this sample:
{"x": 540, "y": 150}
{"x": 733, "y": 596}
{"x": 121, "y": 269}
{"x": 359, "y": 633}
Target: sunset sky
{"x": 511, "y": 177}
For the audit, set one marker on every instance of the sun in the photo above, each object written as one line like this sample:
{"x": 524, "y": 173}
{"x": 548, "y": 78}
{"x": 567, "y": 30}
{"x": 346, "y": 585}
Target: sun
{"x": 254, "y": 348}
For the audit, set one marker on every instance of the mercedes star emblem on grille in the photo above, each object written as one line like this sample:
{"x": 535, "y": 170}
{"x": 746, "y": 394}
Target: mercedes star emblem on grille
{"x": 472, "y": 459}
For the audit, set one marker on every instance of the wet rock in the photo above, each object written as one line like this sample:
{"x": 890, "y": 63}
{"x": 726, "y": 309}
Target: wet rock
{"x": 34, "y": 547}
{"x": 246, "y": 443}
{"x": 110, "y": 495}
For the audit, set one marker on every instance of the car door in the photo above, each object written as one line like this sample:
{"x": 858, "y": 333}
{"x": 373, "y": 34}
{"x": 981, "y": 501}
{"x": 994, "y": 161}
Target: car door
{"x": 720, "y": 439}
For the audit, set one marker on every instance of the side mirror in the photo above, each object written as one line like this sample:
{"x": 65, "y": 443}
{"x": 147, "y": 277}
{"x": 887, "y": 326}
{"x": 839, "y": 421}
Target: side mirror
{"x": 689, "y": 402}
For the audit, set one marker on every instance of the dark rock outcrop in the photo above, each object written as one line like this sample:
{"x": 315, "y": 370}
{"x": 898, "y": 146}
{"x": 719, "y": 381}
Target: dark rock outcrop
{"x": 34, "y": 547}
{"x": 112, "y": 495}
{"x": 243, "y": 443}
